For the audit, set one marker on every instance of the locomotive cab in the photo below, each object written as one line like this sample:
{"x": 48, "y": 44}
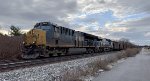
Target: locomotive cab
{"x": 36, "y": 37}
{"x": 52, "y": 32}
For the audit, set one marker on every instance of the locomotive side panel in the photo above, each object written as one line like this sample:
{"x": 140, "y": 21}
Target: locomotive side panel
{"x": 79, "y": 39}
{"x": 66, "y": 38}
{"x": 59, "y": 37}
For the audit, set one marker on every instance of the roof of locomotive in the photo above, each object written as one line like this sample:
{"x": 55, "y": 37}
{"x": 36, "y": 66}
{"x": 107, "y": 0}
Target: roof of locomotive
{"x": 85, "y": 34}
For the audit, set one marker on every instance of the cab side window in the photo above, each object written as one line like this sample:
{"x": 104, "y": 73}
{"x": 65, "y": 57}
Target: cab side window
{"x": 69, "y": 31}
{"x": 66, "y": 31}
{"x": 73, "y": 33}
{"x": 61, "y": 30}
{"x": 56, "y": 29}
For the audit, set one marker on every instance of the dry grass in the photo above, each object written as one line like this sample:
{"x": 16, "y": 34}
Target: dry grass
{"x": 10, "y": 47}
{"x": 91, "y": 69}
{"x": 95, "y": 66}
{"x": 98, "y": 64}
{"x": 73, "y": 75}
{"x": 132, "y": 52}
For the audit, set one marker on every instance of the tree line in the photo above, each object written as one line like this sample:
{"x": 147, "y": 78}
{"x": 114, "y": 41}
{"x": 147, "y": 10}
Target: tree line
{"x": 14, "y": 31}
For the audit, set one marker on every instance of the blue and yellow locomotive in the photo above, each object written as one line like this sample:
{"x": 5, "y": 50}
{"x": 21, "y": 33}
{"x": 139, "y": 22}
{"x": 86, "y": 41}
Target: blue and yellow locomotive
{"x": 47, "y": 39}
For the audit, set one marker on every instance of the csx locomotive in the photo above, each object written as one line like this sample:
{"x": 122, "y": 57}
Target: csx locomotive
{"x": 47, "y": 39}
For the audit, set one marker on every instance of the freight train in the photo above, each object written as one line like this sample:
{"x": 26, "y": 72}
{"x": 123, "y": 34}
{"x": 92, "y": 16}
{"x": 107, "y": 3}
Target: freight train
{"x": 47, "y": 39}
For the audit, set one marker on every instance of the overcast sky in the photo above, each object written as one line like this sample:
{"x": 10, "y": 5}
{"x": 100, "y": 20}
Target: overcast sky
{"x": 112, "y": 19}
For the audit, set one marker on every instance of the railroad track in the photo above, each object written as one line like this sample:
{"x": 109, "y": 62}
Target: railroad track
{"x": 7, "y": 65}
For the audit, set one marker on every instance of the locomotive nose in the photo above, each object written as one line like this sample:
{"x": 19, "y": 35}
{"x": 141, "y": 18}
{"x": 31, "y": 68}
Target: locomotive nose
{"x": 35, "y": 36}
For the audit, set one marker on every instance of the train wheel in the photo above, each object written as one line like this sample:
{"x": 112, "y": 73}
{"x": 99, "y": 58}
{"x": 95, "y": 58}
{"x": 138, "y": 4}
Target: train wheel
{"x": 65, "y": 51}
{"x": 96, "y": 50}
{"x": 88, "y": 51}
{"x": 92, "y": 51}
{"x": 50, "y": 54}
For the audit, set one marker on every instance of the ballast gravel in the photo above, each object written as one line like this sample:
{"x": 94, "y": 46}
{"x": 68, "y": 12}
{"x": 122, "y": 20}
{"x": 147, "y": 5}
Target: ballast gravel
{"x": 50, "y": 72}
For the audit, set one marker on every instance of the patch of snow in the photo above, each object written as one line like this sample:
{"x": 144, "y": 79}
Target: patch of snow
{"x": 121, "y": 60}
{"x": 109, "y": 66}
{"x": 101, "y": 70}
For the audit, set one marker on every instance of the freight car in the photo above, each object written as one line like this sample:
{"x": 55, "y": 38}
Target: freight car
{"x": 47, "y": 39}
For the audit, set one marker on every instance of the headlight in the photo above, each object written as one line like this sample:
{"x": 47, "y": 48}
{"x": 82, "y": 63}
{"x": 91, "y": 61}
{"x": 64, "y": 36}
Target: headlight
{"x": 33, "y": 42}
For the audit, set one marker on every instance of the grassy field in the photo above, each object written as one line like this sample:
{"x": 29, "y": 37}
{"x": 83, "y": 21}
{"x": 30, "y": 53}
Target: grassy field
{"x": 10, "y": 47}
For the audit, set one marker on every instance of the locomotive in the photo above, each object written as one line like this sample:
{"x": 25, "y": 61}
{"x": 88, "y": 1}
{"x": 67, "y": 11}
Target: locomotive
{"x": 47, "y": 39}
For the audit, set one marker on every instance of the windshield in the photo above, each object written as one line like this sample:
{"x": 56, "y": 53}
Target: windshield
{"x": 43, "y": 25}
{"x": 37, "y": 25}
